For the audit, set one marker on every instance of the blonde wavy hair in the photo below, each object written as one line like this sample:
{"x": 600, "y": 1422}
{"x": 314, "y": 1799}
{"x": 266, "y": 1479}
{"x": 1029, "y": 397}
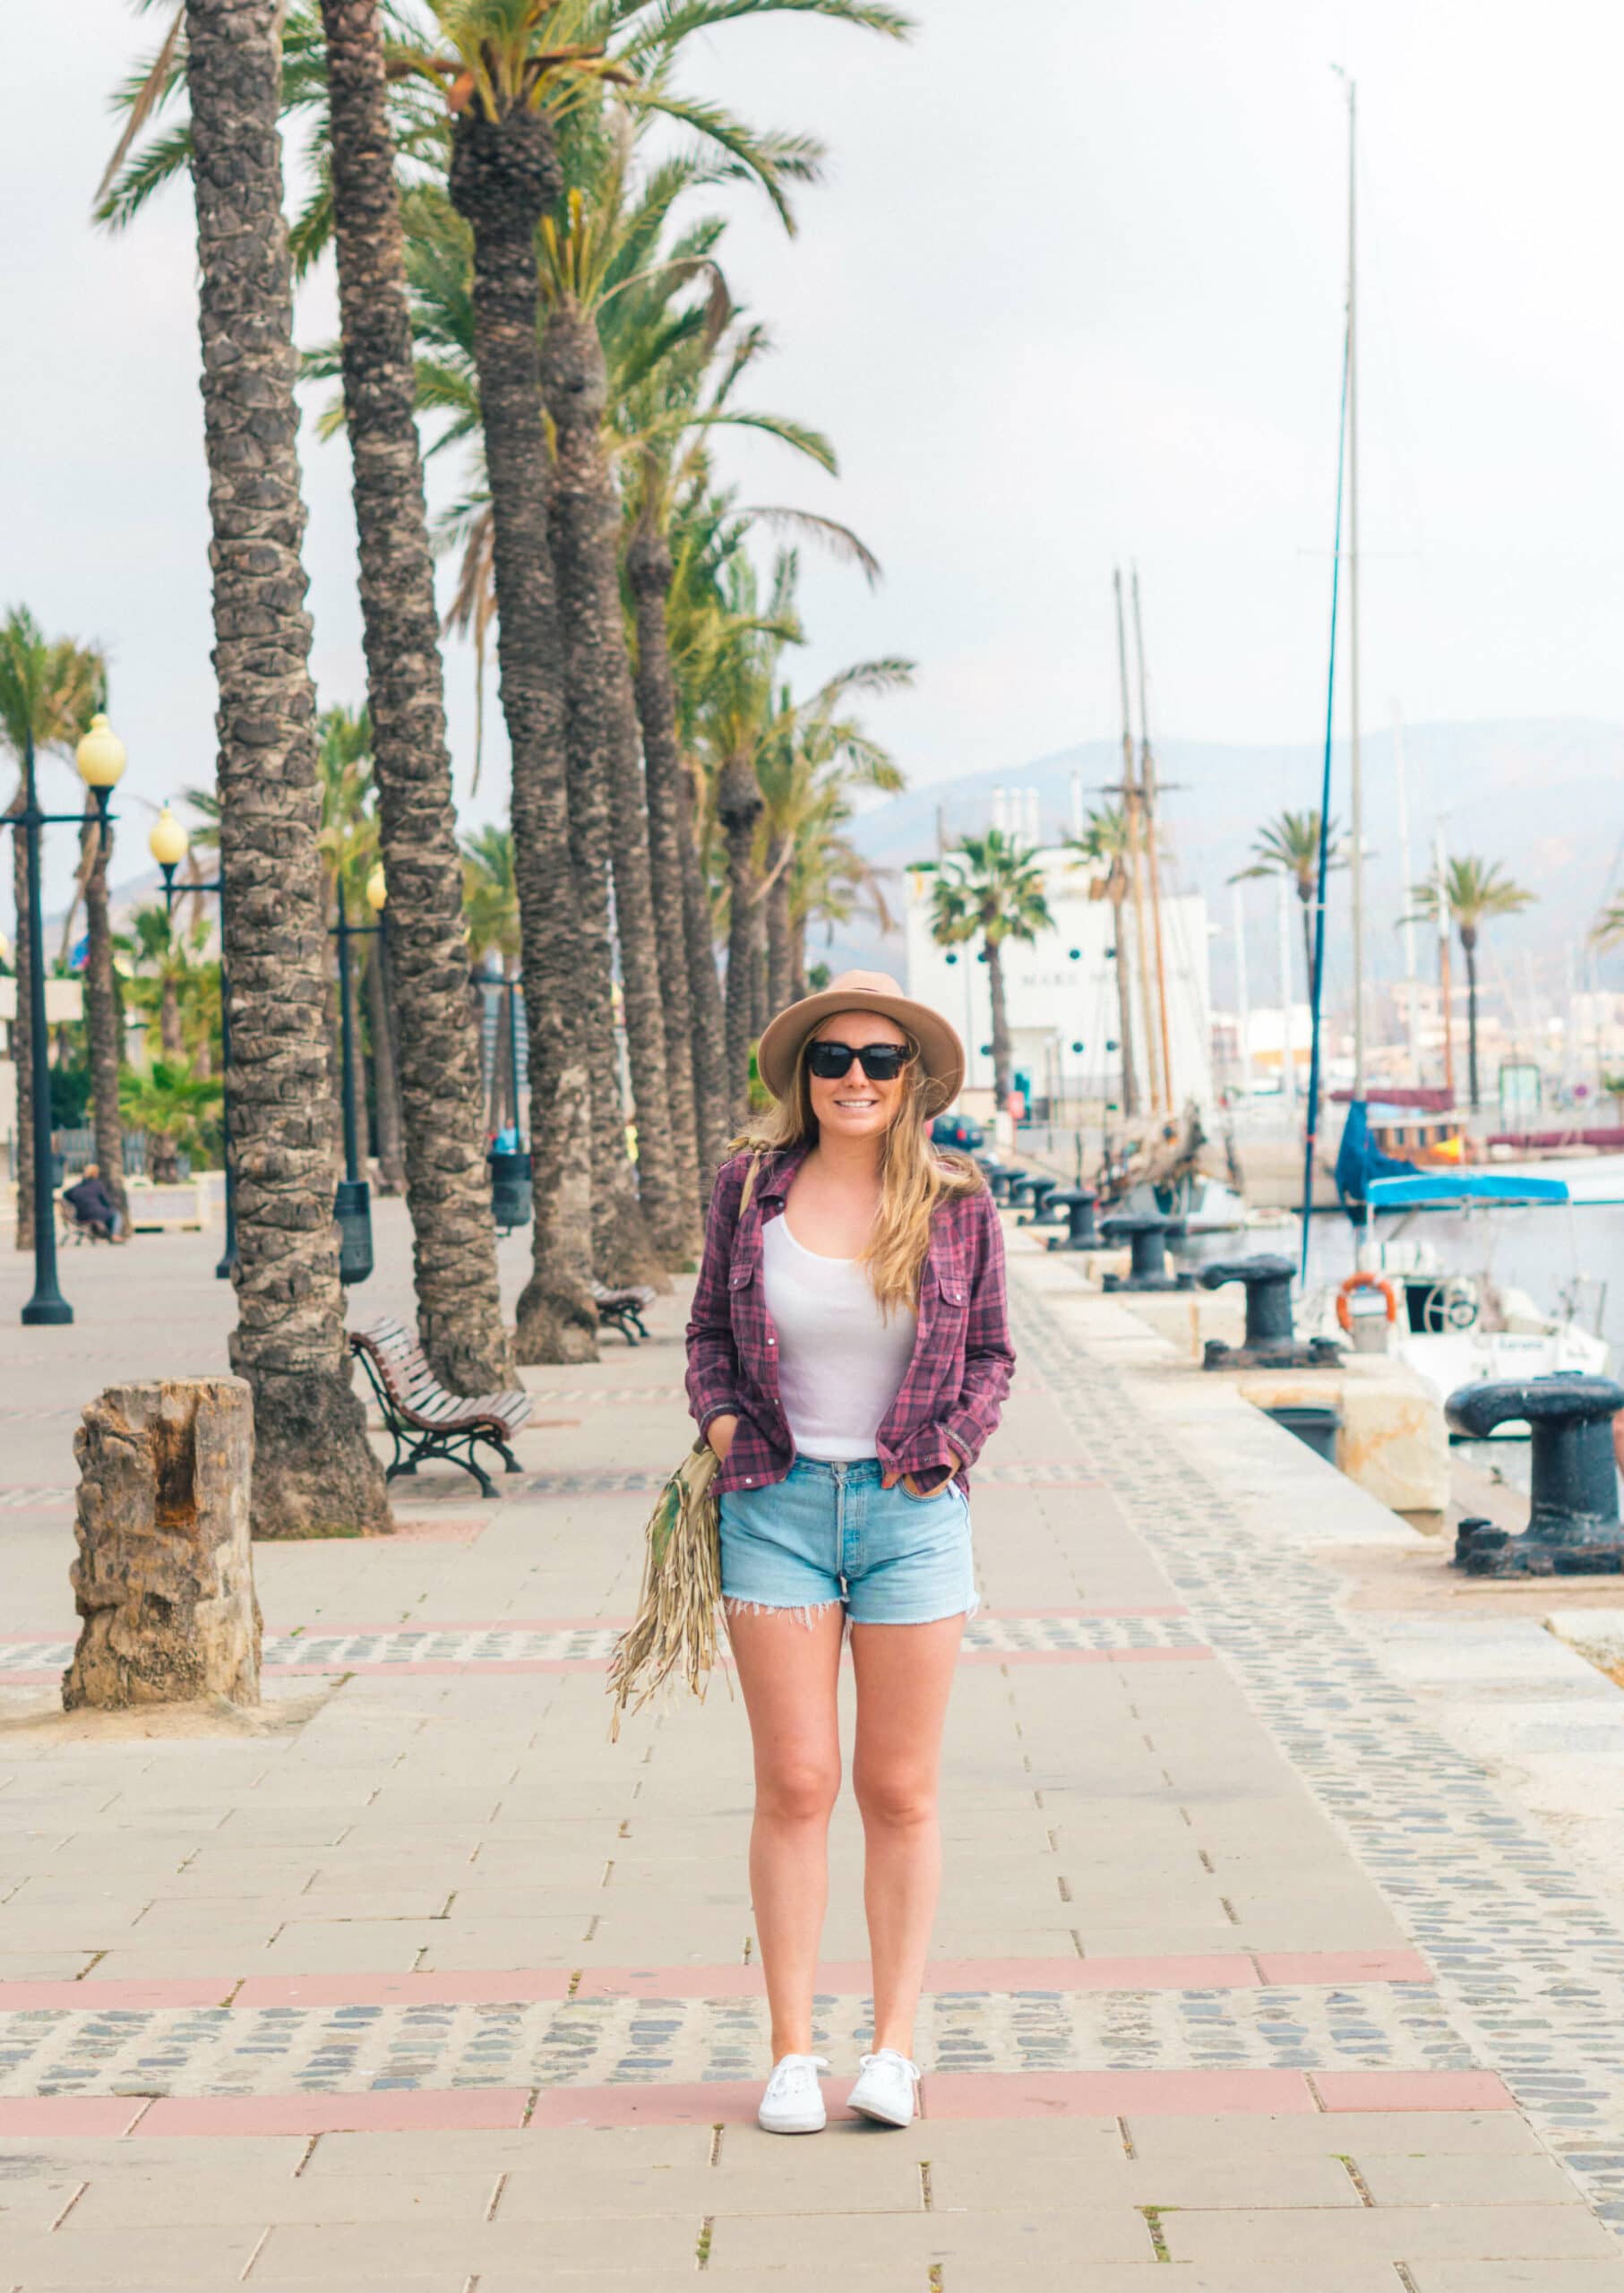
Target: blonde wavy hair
{"x": 915, "y": 1174}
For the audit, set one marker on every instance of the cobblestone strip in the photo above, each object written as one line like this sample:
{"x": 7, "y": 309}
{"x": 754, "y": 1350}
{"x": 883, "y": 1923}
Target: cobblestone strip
{"x": 594, "y": 1645}
{"x": 601, "y": 2042}
{"x": 1530, "y": 1964}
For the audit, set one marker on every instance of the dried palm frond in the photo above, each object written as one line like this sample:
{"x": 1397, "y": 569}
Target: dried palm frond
{"x": 675, "y": 1622}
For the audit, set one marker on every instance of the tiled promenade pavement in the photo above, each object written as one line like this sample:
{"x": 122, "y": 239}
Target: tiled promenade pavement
{"x": 1241, "y": 1974}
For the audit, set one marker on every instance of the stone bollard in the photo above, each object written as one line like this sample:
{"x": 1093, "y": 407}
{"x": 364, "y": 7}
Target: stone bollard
{"x": 1145, "y": 1232}
{"x": 1270, "y": 1342}
{"x": 1573, "y": 1522}
{"x": 164, "y": 1581}
{"x": 1003, "y": 1181}
{"x": 1078, "y": 1203}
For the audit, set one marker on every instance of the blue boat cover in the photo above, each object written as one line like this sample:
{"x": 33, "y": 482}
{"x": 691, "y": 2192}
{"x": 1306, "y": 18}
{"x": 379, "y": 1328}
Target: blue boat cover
{"x": 1443, "y": 1187}
{"x": 1359, "y": 1161}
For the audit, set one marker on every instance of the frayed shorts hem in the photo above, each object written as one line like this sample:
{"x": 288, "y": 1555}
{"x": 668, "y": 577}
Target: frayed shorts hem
{"x": 804, "y": 1611}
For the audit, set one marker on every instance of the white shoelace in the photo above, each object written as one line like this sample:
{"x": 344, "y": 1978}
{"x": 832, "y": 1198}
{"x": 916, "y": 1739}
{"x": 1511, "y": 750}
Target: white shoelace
{"x": 886, "y": 2057}
{"x": 792, "y": 2076}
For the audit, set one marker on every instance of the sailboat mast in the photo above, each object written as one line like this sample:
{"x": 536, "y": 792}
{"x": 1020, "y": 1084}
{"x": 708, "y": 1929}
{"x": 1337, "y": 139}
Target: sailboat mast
{"x": 1147, "y": 783}
{"x": 1407, "y": 921}
{"x": 1136, "y": 859}
{"x": 1356, "y": 774}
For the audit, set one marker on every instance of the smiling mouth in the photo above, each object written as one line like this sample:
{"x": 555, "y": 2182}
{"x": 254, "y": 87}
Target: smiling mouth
{"x": 857, "y": 1104}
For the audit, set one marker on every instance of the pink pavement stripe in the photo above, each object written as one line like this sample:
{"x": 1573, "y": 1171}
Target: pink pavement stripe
{"x": 1410, "y": 2090}
{"x": 495, "y": 1985}
{"x": 26, "y": 2115}
{"x": 430, "y": 1667}
{"x": 1316, "y": 1967}
{"x": 1117, "y": 2093}
{"x": 395, "y": 2110}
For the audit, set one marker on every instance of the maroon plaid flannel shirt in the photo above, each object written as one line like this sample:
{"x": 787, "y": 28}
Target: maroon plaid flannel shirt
{"x": 954, "y": 1386}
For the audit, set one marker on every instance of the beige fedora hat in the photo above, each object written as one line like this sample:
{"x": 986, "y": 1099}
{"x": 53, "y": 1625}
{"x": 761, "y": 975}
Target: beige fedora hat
{"x": 940, "y": 1052}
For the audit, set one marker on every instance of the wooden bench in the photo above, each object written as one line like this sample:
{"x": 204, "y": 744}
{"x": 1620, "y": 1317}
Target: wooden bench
{"x": 621, "y": 1309}
{"x": 423, "y": 1421}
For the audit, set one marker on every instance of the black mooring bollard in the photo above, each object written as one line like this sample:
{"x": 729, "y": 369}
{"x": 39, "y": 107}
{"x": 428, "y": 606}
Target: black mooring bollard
{"x": 1145, "y": 1232}
{"x": 1005, "y": 1181}
{"x": 1270, "y": 1342}
{"x": 1574, "y": 1528}
{"x": 1038, "y": 1191}
{"x": 1077, "y": 1204}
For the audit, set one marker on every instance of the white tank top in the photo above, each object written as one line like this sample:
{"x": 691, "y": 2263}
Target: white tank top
{"x": 840, "y": 1361}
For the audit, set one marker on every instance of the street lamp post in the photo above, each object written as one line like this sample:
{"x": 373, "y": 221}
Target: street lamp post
{"x": 100, "y": 758}
{"x": 353, "y": 1207}
{"x": 168, "y": 844}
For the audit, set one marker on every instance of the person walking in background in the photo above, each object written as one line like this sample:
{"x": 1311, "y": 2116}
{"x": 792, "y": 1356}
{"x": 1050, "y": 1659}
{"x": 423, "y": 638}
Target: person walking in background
{"x": 848, "y": 1354}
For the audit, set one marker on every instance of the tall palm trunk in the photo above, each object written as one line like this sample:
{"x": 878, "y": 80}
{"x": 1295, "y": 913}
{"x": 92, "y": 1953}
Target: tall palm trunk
{"x": 385, "y": 1068}
{"x": 739, "y": 808}
{"x": 797, "y": 958}
{"x": 22, "y": 1041}
{"x": 1468, "y": 941}
{"x": 605, "y": 746}
{"x": 447, "y": 1192}
{"x": 101, "y": 1003}
{"x": 314, "y": 1472}
{"x": 648, "y": 575}
{"x": 170, "y": 1036}
{"x": 780, "y": 940}
{"x": 1002, "y": 1082}
{"x": 503, "y": 174}
{"x": 1124, "y": 997}
{"x": 688, "y": 971}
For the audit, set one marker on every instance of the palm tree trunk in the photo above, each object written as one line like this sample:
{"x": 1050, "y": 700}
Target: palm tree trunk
{"x": 386, "y": 1070}
{"x": 171, "y": 1039}
{"x": 503, "y": 174}
{"x": 604, "y": 742}
{"x": 780, "y": 945}
{"x": 1305, "y": 896}
{"x": 313, "y": 1471}
{"x": 447, "y": 1190}
{"x": 22, "y": 1041}
{"x": 712, "y": 1102}
{"x": 1468, "y": 941}
{"x": 797, "y": 958}
{"x": 1002, "y": 1079}
{"x": 648, "y": 574}
{"x": 1124, "y": 1006}
{"x": 739, "y": 808}
{"x": 101, "y": 1003}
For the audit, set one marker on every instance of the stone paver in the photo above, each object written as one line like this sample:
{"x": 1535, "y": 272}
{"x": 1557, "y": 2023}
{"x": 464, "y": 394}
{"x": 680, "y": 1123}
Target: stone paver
{"x": 1241, "y": 1968}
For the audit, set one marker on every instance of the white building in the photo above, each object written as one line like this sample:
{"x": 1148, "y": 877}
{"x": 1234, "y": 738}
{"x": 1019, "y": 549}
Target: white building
{"x": 1062, "y": 991}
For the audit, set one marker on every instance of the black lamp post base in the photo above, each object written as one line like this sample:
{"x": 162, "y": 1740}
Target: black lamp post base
{"x": 45, "y": 1312}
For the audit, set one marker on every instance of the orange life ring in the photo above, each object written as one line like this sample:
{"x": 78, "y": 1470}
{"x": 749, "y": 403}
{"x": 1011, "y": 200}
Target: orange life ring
{"x": 1365, "y": 1282}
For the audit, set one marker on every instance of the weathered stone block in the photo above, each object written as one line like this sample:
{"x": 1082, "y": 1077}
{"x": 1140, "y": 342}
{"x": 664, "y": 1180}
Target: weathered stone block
{"x": 164, "y": 1581}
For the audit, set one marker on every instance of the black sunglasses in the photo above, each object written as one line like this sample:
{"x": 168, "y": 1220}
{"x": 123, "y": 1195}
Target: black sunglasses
{"x": 882, "y": 1062}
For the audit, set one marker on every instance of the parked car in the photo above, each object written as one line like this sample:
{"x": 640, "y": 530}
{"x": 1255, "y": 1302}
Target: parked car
{"x": 957, "y": 1130}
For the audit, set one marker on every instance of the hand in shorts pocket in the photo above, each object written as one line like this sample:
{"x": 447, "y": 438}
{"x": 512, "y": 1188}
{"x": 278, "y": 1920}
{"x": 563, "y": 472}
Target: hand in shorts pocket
{"x": 908, "y": 1483}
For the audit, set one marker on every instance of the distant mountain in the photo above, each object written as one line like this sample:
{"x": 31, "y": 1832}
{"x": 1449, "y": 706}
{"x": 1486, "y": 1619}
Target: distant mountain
{"x": 1545, "y": 798}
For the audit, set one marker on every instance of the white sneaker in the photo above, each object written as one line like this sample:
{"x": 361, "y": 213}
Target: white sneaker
{"x": 888, "y": 2088}
{"x": 793, "y": 2102}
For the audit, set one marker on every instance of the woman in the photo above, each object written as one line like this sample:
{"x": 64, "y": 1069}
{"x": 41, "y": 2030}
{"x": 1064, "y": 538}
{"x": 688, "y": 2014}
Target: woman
{"x": 848, "y": 1357}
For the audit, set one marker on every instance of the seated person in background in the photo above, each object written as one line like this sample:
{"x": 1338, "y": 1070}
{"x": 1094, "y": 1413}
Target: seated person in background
{"x": 92, "y": 1206}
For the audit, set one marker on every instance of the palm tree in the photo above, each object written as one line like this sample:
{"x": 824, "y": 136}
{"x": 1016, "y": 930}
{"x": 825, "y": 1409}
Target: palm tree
{"x": 447, "y": 1190}
{"x": 50, "y": 690}
{"x": 173, "y": 1108}
{"x": 315, "y": 1472}
{"x": 165, "y": 962}
{"x": 1289, "y": 846}
{"x": 1106, "y": 838}
{"x": 991, "y": 886}
{"x": 1471, "y": 892}
{"x": 1608, "y": 927}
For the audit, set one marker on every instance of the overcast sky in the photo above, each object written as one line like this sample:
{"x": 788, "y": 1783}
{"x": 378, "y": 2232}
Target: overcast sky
{"x": 1071, "y": 292}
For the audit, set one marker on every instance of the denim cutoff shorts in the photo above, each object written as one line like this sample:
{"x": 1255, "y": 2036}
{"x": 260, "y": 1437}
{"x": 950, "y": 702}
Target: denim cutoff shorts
{"x": 830, "y": 1534}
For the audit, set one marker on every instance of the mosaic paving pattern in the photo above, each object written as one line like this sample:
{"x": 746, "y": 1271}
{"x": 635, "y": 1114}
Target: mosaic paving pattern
{"x": 608, "y": 1481}
{"x": 594, "y": 1643}
{"x": 1530, "y": 1964}
{"x": 21, "y": 1497}
{"x": 607, "y": 2041}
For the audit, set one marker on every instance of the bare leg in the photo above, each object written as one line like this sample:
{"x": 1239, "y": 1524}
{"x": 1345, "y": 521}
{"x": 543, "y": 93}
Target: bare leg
{"x": 904, "y": 1674}
{"x": 788, "y": 1673}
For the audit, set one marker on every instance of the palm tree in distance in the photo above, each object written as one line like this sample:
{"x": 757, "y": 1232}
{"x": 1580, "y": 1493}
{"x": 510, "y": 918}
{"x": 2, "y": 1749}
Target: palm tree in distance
{"x": 1472, "y": 891}
{"x": 990, "y": 888}
{"x": 50, "y": 690}
{"x": 1288, "y": 845}
{"x": 1608, "y": 927}
{"x": 490, "y": 899}
{"x": 1106, "y": 838}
